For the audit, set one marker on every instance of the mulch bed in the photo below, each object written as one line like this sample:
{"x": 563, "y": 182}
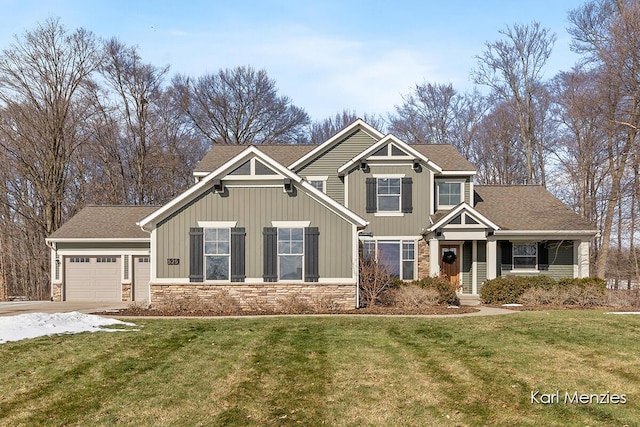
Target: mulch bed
{"x": 377, "y": 310}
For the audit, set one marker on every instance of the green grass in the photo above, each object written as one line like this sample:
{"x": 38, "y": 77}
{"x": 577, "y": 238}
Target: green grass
{"x": 338, "y": 371}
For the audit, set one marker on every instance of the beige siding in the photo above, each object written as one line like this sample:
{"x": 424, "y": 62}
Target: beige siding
{"x": 410, "y": 224}
{"x": 103, "y": 245}
{"x": 329, "y": 162}
{"x": 254, "y": 209}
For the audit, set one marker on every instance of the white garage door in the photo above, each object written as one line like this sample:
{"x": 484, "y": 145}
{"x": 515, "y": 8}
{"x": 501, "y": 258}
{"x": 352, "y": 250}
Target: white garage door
{"x": 93, "y": 279}
{"x": 141, "y": 277}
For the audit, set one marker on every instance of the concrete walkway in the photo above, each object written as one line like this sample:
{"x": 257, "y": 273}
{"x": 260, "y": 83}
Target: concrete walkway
{"x": 22, "y": 307}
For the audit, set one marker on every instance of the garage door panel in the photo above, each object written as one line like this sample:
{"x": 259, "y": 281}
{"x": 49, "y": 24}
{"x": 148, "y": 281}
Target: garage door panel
{"x": 141, "y": 278}
{"x": 87, "y": 279}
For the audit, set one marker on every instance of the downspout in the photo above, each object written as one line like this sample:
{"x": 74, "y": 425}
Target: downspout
{"x": 52, "y": 246}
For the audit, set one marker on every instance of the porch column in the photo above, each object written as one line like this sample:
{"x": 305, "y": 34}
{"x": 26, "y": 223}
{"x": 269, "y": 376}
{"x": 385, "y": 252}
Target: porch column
{"x": 474, "y": 267}
{"x": 434, "y": 257}
{"x": 581, "y": 256}
{"x": 491, "y": 258}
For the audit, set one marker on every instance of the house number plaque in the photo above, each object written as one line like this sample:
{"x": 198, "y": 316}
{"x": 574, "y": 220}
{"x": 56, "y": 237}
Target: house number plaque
{"x": 173, "y": 261}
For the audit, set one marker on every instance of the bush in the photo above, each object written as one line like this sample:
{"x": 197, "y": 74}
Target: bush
{"x": 412, "y": 297}
{"x": 584, "y": 282}
{"x": 375, "y": 280}
{"x": 294, "y": 304}
{"x": 509, "y": 290}
{"x": 447, "y": 291}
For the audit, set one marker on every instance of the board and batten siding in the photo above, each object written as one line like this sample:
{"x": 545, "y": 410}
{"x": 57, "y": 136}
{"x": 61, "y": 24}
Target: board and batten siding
{"x": 481, "y": 263}
{"x": 255, "y": 208}
{"x": 329, "y": 162}
{"x": 467, "y": 261}
{"x": 560, "y": 262}
{"x": 409, "y": 224}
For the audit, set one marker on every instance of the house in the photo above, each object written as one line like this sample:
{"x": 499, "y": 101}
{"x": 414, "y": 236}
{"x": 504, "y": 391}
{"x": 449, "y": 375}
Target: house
{"x": 264, "y": 222}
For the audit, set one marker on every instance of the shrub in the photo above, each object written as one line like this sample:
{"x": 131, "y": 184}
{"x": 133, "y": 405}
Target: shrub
{"x": 374, "y": 281}
{"x": 445, "y": 289}
{"x": 324, "y": 304}
{"x": 509, "y": 290}
{"x": 413, "y": 297}
{"x": 584, "y": 282}
{"x": 541, "y": 296}
{"x": 624, "y": 297}
{"x": 589, "y": 295}
{"x": 293, "y": 304}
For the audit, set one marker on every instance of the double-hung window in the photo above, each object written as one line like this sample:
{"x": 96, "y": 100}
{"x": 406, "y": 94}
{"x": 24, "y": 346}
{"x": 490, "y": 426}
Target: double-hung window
{"x": 388, "y": 194}
{"x": 290, "y": 253}
{"x": 217, "y": 253}
{"x": 525, "y": 256}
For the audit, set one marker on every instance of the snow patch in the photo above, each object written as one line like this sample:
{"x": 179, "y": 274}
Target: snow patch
{"x": 24, "y": 326}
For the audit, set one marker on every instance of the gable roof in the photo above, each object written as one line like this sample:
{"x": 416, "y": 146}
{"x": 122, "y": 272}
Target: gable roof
{"x": 383, "y": 141}
{"x": 328, "y": 144}
{"x": 285, "y": 154}
{"x": 441, "y": 219}
{"x": 247, "y": 153}
{"x": 527, "y": 208}
{"x": 104, "y": 222}
{"x": 446, "y": 156}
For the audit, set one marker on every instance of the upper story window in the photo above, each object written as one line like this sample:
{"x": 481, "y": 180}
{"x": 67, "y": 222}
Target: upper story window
{"x": 389, "y": 194}
{"x": 318, "y": 182}
{"x": 449, "y": 194}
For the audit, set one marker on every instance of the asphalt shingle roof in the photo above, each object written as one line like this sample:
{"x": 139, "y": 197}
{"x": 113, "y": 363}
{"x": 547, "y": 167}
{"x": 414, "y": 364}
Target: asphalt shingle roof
{"x": 446, "y": 156}
{"x": 526, "y": 207}
{"x": 284, "y": 154}
{"x": 103, "y": 222}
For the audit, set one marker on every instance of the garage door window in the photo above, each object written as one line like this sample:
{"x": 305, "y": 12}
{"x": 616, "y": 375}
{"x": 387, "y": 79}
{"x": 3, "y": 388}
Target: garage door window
{"x": 78, "y": 259}
{"x": 105, "y": 259}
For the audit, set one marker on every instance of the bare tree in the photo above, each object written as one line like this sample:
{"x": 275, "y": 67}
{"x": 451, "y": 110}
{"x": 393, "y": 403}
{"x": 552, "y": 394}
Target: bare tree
{"x": 242, "y": 106}
{"x": 41, "y": 75}
{"x": 513, "y": 69}
{"x": 608, "y": 33}
{"x": 325, "y": 129}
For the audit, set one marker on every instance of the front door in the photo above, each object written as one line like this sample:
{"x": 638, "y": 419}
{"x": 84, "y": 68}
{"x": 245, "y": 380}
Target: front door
{"x": 450, "y": 262}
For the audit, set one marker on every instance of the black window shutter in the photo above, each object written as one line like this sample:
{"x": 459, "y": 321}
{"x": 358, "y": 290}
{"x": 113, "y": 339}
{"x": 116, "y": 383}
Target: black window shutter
{"x": 237, "y": 254}
{"x": 311, "y": 270}
{"x": 270, "y": 254}
{"x": 507, "y": 255}
{"x": 372, "y": 195}
{"x": 407, "y": 196}
{"x": 196, "y": 256}
{"x": 543, "y": 256}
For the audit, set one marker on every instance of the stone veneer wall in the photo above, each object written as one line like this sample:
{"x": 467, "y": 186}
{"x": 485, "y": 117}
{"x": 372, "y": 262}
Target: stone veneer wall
{"x": 57, "y": 292}
{"x": 263, "y": 295}
{"x": 126, "y": 292}
{"x": 423, "y": 259}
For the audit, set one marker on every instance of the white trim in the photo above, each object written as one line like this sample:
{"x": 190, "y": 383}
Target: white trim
{"x": 434, "y": 257}
{"x": 152, "y": 254}
{"x": 524, "y": 271}
{"x": 388, "y": 175}
{"x": 355, "y": 262}
{"x": 346, "y": 192}
{"x": 457, "y": 173}
{"x": 464, "y": 207}
{"x": 174, "y": 281}
{"x": 460, "y": 181}
{"x": 97, "y": 252}
{"x": 388, "y": 213}
{"x": 471, "y": 194}
{"x": 543, "y": 233}
{"x": 492, "y": 252}
{"x": 290, "y": 224}
{"x": 128, "y": 281}
{"x": 217, "y": 224}
{"x": 253, "y": 280}
{"x": 96, "y": 240}
{"x": 328, "y": 144}
{"x": 317, "y": 177}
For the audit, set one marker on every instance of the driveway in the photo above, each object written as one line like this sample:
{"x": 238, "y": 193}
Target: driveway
{"x": 22, "y": 307}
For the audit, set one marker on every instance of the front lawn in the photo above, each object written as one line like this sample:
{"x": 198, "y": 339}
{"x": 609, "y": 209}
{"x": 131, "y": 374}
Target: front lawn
{"x": 338, "y": 371}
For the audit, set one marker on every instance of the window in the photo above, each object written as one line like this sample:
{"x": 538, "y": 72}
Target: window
{"x": 105, "y": 259}
{"x": 143, "y": 259}
{"x": 217, "y": 253}
{"x": 525, "y": 256}
{"x": 389, "y": 194}
{"x": 78, "y": 259}
{"x": 290, "y": 253}
{"x": 318, "y": 185}
{"x": 396, "y": 256}
{"x": 449, "y": 193}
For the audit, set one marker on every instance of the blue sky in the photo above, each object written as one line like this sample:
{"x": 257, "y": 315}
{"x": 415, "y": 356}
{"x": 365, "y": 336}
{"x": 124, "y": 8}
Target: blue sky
{"x": 326, "y": 55}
